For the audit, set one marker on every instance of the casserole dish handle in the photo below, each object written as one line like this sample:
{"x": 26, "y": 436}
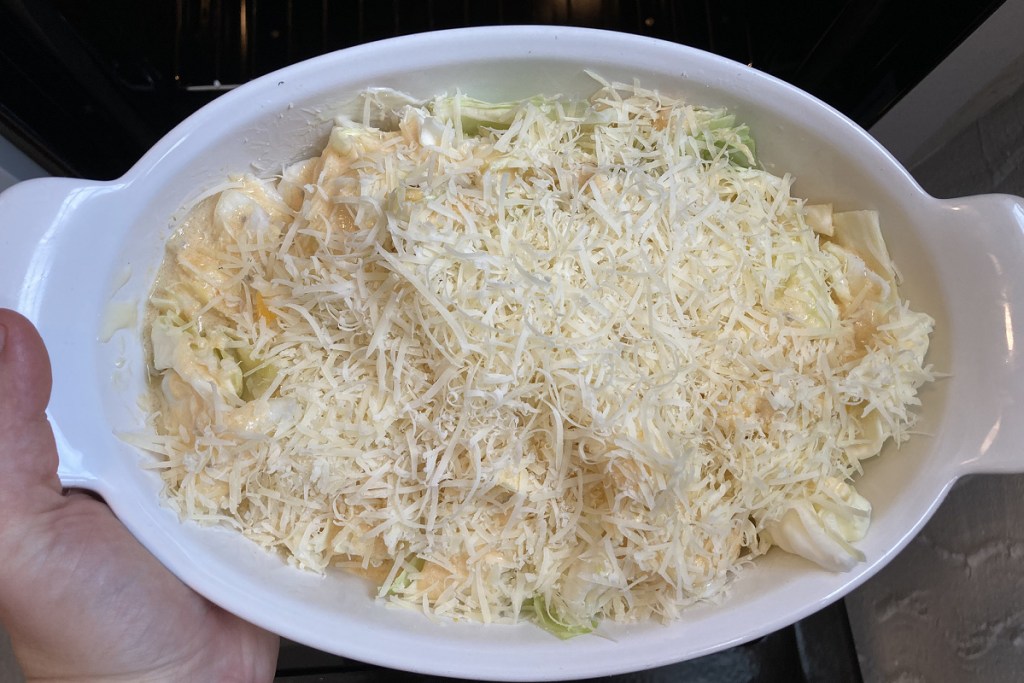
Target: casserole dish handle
{"x": 984, "y": 274}
{"x": 35, "y": 218}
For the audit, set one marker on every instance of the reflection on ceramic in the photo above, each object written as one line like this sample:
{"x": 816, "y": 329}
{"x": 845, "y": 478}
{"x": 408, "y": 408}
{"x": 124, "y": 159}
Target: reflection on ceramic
{"x": 68, "y": 248}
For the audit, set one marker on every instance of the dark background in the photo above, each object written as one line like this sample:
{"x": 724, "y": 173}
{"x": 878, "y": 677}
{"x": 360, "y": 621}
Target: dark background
{"x": 86, "y": 87}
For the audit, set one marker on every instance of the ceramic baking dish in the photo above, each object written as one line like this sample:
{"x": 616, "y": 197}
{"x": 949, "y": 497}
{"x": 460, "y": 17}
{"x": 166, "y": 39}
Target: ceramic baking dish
{"x": 78, "y": 257}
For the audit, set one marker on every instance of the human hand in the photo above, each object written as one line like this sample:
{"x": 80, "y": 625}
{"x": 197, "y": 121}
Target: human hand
{"x": 81, "y": 599}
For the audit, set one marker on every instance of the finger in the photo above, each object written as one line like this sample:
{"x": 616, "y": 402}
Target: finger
{"x": 28, "y": 455}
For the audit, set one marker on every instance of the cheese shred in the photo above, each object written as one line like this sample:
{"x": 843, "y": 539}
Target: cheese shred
{"x": 549, "y": 360}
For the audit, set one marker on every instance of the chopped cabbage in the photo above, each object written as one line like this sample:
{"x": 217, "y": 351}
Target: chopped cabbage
{"x": 551, "y": 621}
{"x": 554, "y": 360}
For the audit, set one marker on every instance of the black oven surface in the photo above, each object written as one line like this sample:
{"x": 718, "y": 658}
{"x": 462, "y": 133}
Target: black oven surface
{"x": 87, "y": 87}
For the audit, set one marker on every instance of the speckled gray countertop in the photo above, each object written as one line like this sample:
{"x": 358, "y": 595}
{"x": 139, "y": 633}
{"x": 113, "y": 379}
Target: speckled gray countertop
{"x": 950, "y": 607}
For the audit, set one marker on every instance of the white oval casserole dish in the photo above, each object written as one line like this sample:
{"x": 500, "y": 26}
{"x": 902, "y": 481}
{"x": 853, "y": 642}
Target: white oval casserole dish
{"x": 70, "y": 250}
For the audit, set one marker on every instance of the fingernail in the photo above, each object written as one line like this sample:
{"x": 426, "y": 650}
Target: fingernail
{"x": 3, "y": 336}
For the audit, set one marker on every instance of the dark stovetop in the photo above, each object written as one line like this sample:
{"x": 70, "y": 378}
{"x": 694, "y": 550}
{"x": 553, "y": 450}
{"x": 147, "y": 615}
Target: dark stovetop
{"x": 87, "y": 87}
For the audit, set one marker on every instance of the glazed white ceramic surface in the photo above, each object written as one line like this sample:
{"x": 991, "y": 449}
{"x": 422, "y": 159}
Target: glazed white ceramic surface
{"x": 69, "y": 249}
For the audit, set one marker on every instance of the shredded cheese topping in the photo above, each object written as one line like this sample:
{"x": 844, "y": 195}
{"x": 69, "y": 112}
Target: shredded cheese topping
{"x": 549, "y": 360}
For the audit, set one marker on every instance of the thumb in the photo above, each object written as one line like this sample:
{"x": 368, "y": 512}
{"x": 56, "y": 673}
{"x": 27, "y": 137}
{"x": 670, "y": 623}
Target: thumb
{"x": 28, "y": 455}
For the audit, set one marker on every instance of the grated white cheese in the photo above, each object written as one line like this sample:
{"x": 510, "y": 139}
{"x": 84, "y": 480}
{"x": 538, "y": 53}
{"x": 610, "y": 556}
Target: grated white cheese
{"x": 546, "y": 360}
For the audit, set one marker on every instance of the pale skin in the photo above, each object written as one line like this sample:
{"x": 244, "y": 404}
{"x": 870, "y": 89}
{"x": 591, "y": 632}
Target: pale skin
{"x": 81, "y": 599}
